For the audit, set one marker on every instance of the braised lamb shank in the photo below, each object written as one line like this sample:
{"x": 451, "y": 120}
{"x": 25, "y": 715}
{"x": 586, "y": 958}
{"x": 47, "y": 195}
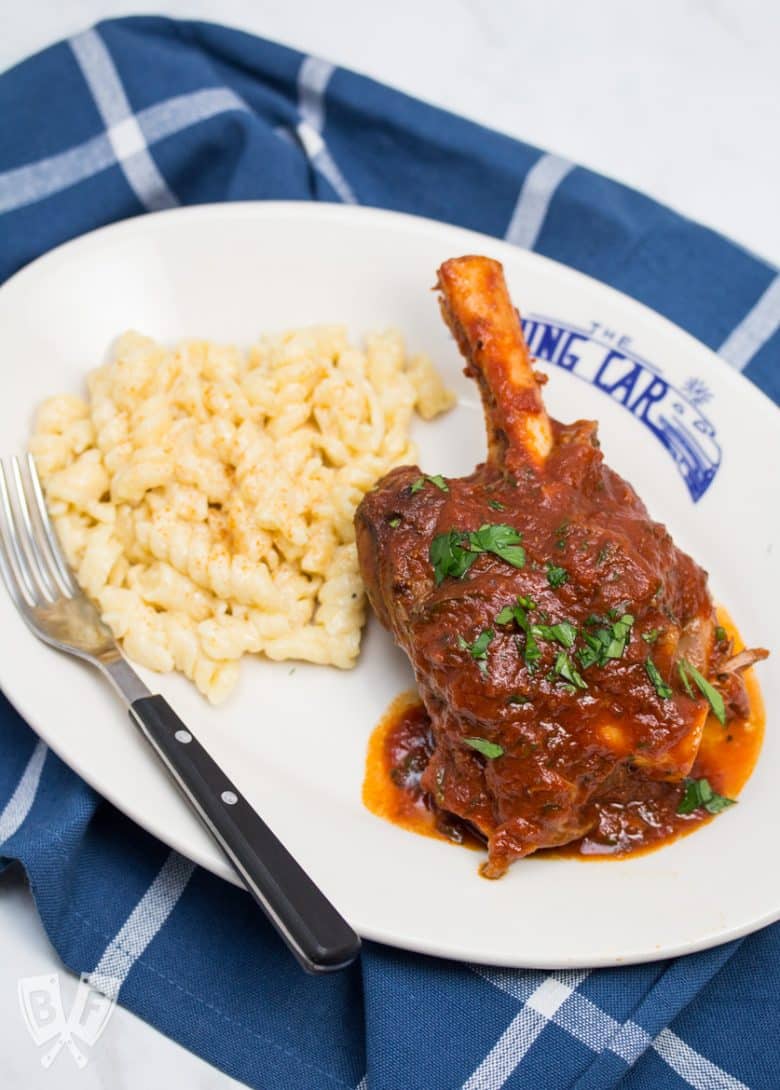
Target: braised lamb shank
{"x": 544, "y": 613}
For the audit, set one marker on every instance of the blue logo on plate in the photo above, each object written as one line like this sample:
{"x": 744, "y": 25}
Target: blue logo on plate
{"x": 672, "y": 414}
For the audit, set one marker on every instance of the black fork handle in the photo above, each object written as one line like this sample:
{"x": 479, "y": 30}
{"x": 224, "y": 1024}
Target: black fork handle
{"x": 318, "y": 936}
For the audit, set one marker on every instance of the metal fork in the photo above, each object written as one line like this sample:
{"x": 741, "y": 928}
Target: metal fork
{"x": 49, "y": 599}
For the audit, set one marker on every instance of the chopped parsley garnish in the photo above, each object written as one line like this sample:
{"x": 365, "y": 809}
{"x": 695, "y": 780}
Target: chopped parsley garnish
{"x": 450, "y": 555}
{"x": 496, "y": 505}
{"x": 454, "y": 552}
{"x": 503, "y": 541}
{"x": 596, "y": 618}
{"x": 478, "y": 649}
{"x": 395, "y": 521}
{"x": 684, "y": 680}
{"x": 556, "y": 576}
{"x": 491, "y": 750}
{"x": 710, "y": 693}
{"x": 699, "y": 795}
{"x": 602, "y": 555}
{"x": 597, "y": 648}
{"x": 564, "y": 632}
{"x": 517, "y": 613}
{"x": 518, "y": 698}
{"x": 566, "y": 669}
{"x": 606, "y": 643}
{"x": 661, "y": 687}
{"x": 652, "y": 635}
{"x": 720, "y": 634}
{"x": 621, "y": 629}
{"x": 590, "y": 654}
{"x": 436, "y": 480}
{"x": 532, "y": 652}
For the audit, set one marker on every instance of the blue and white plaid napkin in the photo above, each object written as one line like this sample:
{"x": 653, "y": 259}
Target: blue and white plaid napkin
{"x": 145, "y": 113}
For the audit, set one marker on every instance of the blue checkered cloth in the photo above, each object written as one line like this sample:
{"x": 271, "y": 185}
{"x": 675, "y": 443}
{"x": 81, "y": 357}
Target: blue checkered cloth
{"x": 145, "y": 113}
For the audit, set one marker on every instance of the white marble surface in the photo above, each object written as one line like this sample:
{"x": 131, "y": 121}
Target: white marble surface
{"x": 680, "y": 98}
{"x": 128, "y": 1056}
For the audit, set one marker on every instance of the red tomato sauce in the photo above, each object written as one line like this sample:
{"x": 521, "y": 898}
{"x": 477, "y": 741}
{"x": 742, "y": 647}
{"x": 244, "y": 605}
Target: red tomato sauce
{"x": 642, "y": 818}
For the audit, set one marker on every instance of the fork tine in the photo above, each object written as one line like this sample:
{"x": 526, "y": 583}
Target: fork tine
{"x": 47, "y": 540}
{"x": 30, "y": 545}
{"x": 16, "y": 560}
{"x": 11, "y": 583}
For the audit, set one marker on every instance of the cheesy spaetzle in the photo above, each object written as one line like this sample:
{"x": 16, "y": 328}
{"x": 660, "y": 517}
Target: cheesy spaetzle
{"x": 205, "y": 496}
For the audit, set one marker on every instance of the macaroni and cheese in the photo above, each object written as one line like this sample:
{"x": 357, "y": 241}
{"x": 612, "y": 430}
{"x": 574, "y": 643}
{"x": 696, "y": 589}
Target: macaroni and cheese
{"x": 205, "y": 497}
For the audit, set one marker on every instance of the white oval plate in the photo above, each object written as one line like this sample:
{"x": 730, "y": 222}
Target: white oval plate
{"x": 698, "y": 441}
